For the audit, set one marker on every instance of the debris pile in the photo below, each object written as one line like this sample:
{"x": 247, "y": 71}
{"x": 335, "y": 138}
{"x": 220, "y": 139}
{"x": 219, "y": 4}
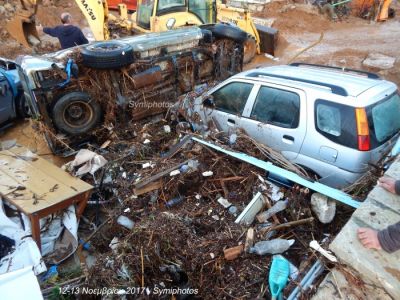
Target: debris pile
{"x": 171, "y": 211}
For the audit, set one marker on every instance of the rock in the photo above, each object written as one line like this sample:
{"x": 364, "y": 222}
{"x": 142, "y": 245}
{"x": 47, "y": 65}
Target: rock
{"x": 2, "y": 10}
{"x": 323, "y": 207}
{"x": 379, "y": 61}
{"x": 9, "y": 7}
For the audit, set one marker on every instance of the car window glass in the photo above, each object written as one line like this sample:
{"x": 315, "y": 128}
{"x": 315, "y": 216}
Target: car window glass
{"x": 232, "y": 97}
{"x": 164, "y": 4}
{"x": 277, "y": 107}
{"x": 328, "y": 119}
{"x": 385, "y": 116}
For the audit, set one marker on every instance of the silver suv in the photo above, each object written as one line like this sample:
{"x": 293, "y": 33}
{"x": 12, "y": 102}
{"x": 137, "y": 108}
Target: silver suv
{"x": 331, "y": 121}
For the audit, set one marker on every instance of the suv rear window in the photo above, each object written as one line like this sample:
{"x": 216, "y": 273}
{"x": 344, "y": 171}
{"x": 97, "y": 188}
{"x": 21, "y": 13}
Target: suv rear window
{"x": 337, "y": 122}
{"x": 384, "y": 119}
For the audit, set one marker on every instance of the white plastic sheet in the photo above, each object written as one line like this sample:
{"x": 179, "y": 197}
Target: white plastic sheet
{"x": 59, "y": 241}
{"x": 20, "y": 284}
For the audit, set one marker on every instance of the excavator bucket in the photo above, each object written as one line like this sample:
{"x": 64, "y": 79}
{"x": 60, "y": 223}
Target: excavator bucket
{"x": 23, "y": 29}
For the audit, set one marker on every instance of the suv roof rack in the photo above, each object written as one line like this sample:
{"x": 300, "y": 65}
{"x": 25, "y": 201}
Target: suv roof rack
{"x": 338, "y": 90}
{"x": 369, "y": 74}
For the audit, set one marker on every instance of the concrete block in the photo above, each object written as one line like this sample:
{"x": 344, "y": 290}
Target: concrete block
{"x": 374, "y": 215}
{"x": 394, "y": 170}
{"x": 336, "y": 285}
{"x": 375, "y": 266}
{"x": 386, "y": 198}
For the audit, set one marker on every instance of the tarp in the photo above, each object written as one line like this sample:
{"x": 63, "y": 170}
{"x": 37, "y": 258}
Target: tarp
{"x": 20, "y": 284}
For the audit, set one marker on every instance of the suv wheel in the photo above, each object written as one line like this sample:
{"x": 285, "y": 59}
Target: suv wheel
{"x": 107, "y": 55}
{"x": 227, "y": 31}
{"x": 76, "y": 113}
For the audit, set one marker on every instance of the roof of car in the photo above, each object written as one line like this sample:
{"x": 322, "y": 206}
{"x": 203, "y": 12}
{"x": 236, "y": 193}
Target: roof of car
{"x": 342, "y": 83}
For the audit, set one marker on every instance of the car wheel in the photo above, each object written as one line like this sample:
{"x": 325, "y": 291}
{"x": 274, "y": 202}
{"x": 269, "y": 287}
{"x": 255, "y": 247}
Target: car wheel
{"x": 227, "y": 31}
{"x": 23, "y": 109}
{"x": 250, "y": 49}
{"x": 107, "y": 55}
{"x": 76, "y": 113}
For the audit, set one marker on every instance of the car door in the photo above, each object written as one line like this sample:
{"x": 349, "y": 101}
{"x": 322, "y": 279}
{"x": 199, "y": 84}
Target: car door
{"x": 276, "y": 117}
{"x": 228, "y": 103}
{"x": 6, "y": 101}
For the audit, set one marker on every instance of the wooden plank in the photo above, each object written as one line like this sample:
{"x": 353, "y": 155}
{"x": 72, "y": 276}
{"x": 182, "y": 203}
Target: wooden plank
{"x": 54, "y": 171}
{"x": 157, "y": 176}
{"x": 148, "y": 188}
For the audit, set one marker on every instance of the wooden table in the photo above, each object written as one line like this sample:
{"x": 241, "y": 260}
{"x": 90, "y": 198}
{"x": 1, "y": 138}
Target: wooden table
{"x": 46, "y": 189}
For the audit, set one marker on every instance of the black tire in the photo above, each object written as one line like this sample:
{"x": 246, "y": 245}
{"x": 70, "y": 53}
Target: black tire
{"x": 107, "y": 55}
{"x": 76, "y": 113}
{"x": 227, "y": 31}
{"x": 250, "y": 49}
{"x": 22, "y": 107}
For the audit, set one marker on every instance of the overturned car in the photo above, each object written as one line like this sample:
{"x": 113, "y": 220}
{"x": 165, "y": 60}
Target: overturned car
{"x": 79, "y": 93}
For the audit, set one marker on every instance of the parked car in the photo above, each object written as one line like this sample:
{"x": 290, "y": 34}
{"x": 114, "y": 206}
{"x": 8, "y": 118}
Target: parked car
{"x": 12, "y": 101}
{"x": 333, "y": 122}
{"x": 74, "y": 92}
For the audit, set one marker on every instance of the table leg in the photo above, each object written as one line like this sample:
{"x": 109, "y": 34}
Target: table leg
{"x": 36, "y": 229}
{"x": 81, "y": 204}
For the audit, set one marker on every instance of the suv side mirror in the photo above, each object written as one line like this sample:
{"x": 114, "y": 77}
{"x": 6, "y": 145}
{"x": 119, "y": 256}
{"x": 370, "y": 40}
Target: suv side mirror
{"x": 209, "y": 101}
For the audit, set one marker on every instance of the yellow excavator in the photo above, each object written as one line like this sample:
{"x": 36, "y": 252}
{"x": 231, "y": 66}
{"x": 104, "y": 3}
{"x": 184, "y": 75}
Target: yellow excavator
{"x": 151, "y": 16}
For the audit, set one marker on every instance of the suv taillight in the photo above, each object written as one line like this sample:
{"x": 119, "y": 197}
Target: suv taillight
{"x": 364, "y": 142}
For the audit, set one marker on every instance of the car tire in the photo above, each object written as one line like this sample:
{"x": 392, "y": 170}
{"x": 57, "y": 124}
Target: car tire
{"x": 250, "y": 49}
{"x": 107, "y": 55}
{"x": 23, "y": 109}
{"x": 227, "y": 31}
{"x": 76, "y": 113}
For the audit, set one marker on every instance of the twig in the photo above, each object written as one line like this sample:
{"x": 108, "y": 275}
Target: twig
{"x": 142, "y": 259}
{"x": 287, "y": 225}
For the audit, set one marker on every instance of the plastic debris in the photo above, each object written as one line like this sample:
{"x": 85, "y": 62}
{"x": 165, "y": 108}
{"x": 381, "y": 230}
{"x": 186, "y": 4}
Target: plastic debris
{"x": 126, "y": 222}
{"x": 316, "y": 246}
{"x": 167, "y": 129}
{"x": 174, "y": 201}
{"x": 278, "y": 276}
{"x": 208, "y": 173}
{"x": 114, "y": 244}
{"x": 225, "y": 203}
{"x": 277, "y": 207}
{"x": 233, "y": 210}
{"x": 148, "y": 165}
{"x": 271, "y": 247}
{"x": 174, "y": 173}
{"x": 89, "y": 161}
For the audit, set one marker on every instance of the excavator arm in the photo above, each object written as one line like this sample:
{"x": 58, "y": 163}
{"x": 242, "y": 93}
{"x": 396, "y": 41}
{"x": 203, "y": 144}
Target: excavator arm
{"x": 23, "y": 26}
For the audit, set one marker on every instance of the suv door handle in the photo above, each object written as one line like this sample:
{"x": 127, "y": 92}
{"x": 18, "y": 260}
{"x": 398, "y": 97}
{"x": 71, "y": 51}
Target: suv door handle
{"x": 288, "y": 138}
{"x": 231, "y": 122}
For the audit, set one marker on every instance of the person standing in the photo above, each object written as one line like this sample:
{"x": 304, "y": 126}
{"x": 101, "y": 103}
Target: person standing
{"x": 68, "y": 34}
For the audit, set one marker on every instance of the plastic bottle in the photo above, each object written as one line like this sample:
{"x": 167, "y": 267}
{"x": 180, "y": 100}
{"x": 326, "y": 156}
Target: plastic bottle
{"x": 277, "y": 207}
{"x": 174, "y": 201}
{"x": 271, "y": 247}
